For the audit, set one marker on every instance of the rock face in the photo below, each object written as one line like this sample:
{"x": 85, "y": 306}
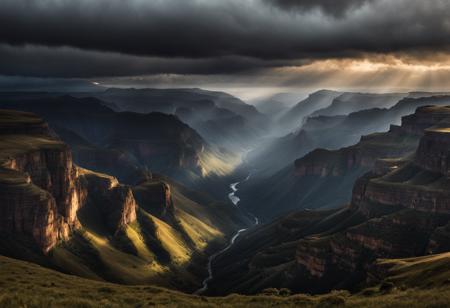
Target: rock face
{"x": 41, "y": 190}
{"x": 334, "y": 171}
{"x": 114, "y": 201}
{"x": 400, "y": 209}
{"x": 397, "y": 142}
{"x": 433, "y": 153}
{"x": 128, "y": 140}
{"x": 88, "y": 224}
{"x": 156, "y": 197}
{"x": 420, "y": 184}
{"x": 401, "y": 200}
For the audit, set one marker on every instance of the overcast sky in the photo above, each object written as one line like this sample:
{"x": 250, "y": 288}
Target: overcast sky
{"x": 229, "y": 43}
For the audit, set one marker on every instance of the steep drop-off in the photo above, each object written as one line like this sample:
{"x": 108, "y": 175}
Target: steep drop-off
{"x": 119, "y": 143}
{"x": 88, "y": 224}
{"x": 398, "y": 210}
{"x": 335, "y": 171}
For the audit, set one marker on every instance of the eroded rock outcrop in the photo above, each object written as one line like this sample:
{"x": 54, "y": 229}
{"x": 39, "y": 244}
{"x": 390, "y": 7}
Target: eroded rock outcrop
{"x": 155, "y": 196}
{"x": 114, "y": 201}
{"x": 41, "y": 190}
{"x": 400, "y": 209}
{"x": 433, "y": 153}
{"x": 397, "y": 142}
{"x": 406, "y": 205}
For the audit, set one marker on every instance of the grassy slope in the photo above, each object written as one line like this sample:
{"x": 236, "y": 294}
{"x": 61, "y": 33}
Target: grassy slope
{"x": 176, "y": 255}
{"x": 197, "y": 227}
{"x": 26, "y": 284}
{"x": 424, "y": 272}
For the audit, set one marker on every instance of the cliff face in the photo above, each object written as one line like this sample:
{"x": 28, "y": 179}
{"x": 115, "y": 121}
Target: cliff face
{"x": 114, "y": 201}
{"x": 334, "y": 171}
{"x": 420, "y": 183}
{"x": 433, "y": 153}
{"x": 38, "y": 181}
{"x": 397, "y": 142}
{"x": 406, "y": 205}
{"x": 131, "y": 140}
{"x": 398, "y": 210}
{"x": 156, "y": 197}
{"x": 51, "y": 169}
{"x": 40, "y": 187}
{"x": 89, "y": 224}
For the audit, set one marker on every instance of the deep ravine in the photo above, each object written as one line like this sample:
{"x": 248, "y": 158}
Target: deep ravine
{"x": 235, "y": 200}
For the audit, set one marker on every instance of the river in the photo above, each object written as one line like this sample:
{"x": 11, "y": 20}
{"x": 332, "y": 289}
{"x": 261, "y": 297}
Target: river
{"x": 235, "y": 200}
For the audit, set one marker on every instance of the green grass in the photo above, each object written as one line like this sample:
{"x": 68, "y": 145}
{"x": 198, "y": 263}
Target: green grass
{"x": 24, "y": 284}
{"x": 424, "y": 272}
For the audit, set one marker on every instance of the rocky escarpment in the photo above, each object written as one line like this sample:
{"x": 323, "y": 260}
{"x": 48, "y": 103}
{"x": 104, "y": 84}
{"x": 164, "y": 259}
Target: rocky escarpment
{"x": 421, "y": 183}
{"x": 433, "y": 153}
{"x": 87, "y": 223}
{"x": 398, "y": 210}
{"x": 155, "y": 196}
{"x": 397, "y": 142}
{"x": 406, "y": 207}
{"x": 342, "y": 259}
{"x": 114, "y": 201}
{"x": 333, "y": 171}
{"x": 131, "y": 141}
{"x": 41, "y": 190}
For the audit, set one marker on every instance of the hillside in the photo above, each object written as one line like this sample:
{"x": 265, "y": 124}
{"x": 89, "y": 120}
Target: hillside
{"x": 348, "y": 102}
{"x": 119, "y": 142}
{"x": 222, "y": 119}
{"x": 53, "y": 289}
{"x": 301, "y": 184}
{"x": 318, "y": 251}
{"x": 293, "y": 117}
{"x": 332, "y": 132}
{"x": 82, "y": 222}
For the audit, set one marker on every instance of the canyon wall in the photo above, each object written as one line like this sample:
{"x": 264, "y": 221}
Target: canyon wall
{"x": 41, "y": 190}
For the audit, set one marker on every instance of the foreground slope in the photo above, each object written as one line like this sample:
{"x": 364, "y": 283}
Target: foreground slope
{"x": 26, "y": 284}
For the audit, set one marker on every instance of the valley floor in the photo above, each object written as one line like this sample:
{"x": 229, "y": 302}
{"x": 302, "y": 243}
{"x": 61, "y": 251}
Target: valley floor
{"x": 24, "y": 284}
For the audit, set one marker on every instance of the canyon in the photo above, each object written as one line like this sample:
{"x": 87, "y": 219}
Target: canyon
{"x": 402, "y": 198}
{"x": 87, "y": 223}
{"x": 90, "y": 189}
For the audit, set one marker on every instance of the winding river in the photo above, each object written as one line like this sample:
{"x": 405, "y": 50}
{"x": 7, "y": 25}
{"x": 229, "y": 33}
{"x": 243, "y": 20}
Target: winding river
{"x": 235, "y": 200}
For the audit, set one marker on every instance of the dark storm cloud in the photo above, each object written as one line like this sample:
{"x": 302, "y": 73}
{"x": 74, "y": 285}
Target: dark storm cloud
{"x": 66, "y": 62}
{"x": 333, "y": 7}
{"x": 113, "y": 37}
